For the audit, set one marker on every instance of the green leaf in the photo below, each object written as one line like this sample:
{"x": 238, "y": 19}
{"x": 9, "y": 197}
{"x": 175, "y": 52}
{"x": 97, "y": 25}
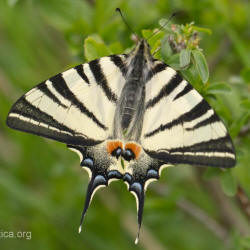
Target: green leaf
{"x": 201, "y": 65}
{"x": 154, "y": 40}
{"x": 238, "y": 123}
{"x": 146, "y": 33}
{"x": 185, "y": 58}
{"x": 95, "y": 48}
{"x": 165, "y": 24}
{"x": 192, "y": 77}
{"x": 218, "y": 88}
{"x": 174, "y": 61}
{"x": 116, "y": 48}
{"x": 166, "y": 51}
{"x": 201, "y": 29}
{"x": 228, "y": 183}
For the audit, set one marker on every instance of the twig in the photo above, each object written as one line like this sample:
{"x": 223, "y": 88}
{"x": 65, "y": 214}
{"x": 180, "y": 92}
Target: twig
{"x": 243, "y": 201}
{"x": 229, "y": 214}
{"x": 204, "y": 218}
{"x": 199, "y": 214}
{"x": 92, "y": 2}
{"x": 244, "y": 130}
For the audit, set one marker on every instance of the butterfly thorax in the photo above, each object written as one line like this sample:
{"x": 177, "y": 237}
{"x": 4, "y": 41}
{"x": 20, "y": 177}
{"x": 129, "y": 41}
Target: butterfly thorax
{"x": 130, "y": 108}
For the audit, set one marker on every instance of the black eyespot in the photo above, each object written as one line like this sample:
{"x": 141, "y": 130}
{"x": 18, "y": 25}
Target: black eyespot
{"x": 88, "y": 162}
{"x": 117, "y": 152}
{"x": 128, "y": 155}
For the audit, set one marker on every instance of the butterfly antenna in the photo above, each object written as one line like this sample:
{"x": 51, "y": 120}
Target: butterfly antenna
{"x": 124, "y": 20}
{"x": 158, "y": 30}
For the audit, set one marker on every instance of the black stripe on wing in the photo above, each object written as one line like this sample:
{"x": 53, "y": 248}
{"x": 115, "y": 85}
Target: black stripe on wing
{"x": 101, "y": 80}
{"x": 117, "y": 60}
{"x": 62, "y": 88}
{"x": 155, "y": 70}
{"x": 222, "y": 145}
{"x": 33, "y": 125}
{"x": 200, "y": 154}
{"x": 200, "y": 109}
{"x": 213, "y": 118}
{"x": 201, "y": 160}
{"x": 184, "y": 91}
{"x": 44, "y": 89}
{"x": 81, "y": 73}
{"x": 165, "y": 91}
{"x": 26, "y": 109}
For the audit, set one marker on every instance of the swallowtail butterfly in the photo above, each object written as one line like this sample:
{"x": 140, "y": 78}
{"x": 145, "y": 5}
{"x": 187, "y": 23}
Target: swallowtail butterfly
{"x": 127, "y": 116}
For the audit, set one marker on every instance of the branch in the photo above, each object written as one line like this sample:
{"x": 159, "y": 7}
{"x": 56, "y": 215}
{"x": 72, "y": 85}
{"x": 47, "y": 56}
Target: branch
{"x": 229, "y": 213}
{"x": 244, "y": 130}
{"x": 243, "y": 201}
{"x": 204, "y": 218}
{"x": 198, "y": 214}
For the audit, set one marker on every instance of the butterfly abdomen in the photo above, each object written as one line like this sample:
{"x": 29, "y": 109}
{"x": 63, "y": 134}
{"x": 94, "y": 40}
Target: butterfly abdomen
{"x": 132, "y": 98}
{"x": 132, "y": 95}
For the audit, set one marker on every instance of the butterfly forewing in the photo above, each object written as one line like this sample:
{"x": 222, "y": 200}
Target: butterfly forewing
{"x": 74, "y": 107}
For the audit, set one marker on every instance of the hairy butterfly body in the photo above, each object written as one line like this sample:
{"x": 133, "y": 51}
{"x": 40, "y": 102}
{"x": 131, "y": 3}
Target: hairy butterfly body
{"x": 127, "y": 116}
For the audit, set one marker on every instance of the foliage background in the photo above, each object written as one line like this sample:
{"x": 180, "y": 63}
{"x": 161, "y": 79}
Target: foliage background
{"x": 42, "y": 187}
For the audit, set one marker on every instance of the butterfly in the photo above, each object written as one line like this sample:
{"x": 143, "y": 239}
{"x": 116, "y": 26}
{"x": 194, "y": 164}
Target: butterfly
{"x": 127, "y": 117}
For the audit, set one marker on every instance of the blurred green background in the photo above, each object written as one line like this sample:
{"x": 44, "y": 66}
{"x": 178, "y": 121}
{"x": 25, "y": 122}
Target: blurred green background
{"x": 42, "y": 187}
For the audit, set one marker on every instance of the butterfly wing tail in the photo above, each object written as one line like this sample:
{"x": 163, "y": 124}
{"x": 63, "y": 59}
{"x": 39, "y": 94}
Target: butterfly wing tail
{"x": 138, "y": 176}
{"x": 97, "y": 162}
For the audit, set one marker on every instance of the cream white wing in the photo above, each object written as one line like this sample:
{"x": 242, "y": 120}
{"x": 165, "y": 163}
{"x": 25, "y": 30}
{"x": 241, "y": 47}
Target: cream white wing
{"x": 179, "y": 125}
{"x": 74, "y": 107}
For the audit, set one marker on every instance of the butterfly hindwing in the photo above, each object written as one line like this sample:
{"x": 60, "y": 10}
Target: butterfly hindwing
{"x": 101, "y": 167}
{"x": 137, "y": 175}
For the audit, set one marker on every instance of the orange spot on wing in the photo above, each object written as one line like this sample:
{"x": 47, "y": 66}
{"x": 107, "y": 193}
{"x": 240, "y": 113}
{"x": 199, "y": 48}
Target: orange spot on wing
{"x": 112, "y": 145}
{"x": 135, "y": 148}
